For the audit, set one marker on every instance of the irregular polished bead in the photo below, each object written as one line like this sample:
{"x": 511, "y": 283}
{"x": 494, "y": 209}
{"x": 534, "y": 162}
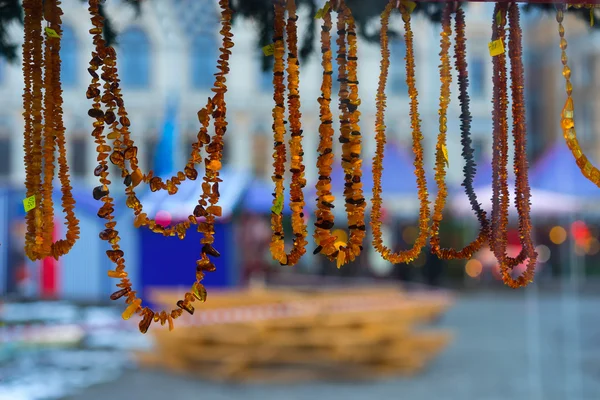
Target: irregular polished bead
{"x": 117, "y": 274}
{"x": 199, "y": 211}
{"x": 191, "y": 173}
{"x": 127, "y": 181}
{"x": 131, "y": 309}
{"x": 136, "y": 177}
{"x": 105, "y": 210}
{"x": 114, "y": 255}
{"x": 146, "y": 321}
{"x": 99, "y": 169}
{"x": 119, "y": 293}
{"x": 215, "y": 210}
{"x": 210, "y": 250}
{"x": 117, "y": 158}
{"x": 187, "y": 307}
{"x": 95, "y": 113}
{"x": 131, "y": 152}
{"x": 155, "y": 184}
{"x": 108, "y": 234}
{"x": 99, "y": 192}
{"x": 109, "y": 117}
{"x": 199, "y": 291}
{"x": 205, "y": 265}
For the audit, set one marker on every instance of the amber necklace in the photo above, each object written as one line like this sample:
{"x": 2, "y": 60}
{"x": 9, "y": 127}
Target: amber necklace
{"x": 441, "y": 152}
{"x": 105, "y": 57}
{"x": 408, "y": 255}
{"x": 350, "y": 137}
{"x": 298, "y": 181}
{"x": 500, "y": 201}
{"x": 567, "y": 121}
{"x": 42, "y": 139}
{"x": 124, "y": 150}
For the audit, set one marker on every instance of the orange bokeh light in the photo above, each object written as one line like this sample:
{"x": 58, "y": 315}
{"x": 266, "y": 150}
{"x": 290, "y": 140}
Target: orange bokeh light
{"x": 473, "y": 268}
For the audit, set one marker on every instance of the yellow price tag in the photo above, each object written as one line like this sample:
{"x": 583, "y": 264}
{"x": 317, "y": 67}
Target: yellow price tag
{"x": 445, "y": 152}
{"x": 278, "y": 206}
{"x": 496, "y": 48}
{"x": 51, "y": 33}
{"x": 269, "y": 50}
{"x": 321, "y": 13}
{"x": 409, "y": 5}
{"x": 29, "y": 203}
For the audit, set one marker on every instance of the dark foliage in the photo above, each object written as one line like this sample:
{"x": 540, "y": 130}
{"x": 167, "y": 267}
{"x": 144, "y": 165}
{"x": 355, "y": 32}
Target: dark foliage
{"x": 261, "y": 11}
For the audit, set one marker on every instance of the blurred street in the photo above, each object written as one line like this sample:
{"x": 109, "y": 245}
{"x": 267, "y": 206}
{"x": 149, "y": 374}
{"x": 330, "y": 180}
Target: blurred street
{"x": 508, "y": 346}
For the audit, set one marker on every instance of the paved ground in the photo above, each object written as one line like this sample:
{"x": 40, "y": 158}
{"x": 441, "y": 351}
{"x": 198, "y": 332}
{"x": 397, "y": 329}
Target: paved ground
{"x": 508, "y": 347}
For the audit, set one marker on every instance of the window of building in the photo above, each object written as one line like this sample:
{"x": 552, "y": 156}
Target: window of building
{"x": 79, "y": 157}
{"x": 204, "y": 59}
{"x": 397, "y": 71}
{"x": 68, "y": 56}
{"x": 5, "y": 156}
{"x": 150, "y": 147}
{"x": 477, "y": 77}
{"x": 134, "y": 58}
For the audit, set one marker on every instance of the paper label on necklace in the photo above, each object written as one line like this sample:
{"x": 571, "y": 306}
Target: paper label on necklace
{"x": 51, "y": 33}
{"x": 29, "y": 203}
{"x": 321, "y": 13}
{"x": 496, "y": 47}
{"x": 269, "y": 50}
{"x": 278, "y": 206}
{"x": 445, "y": 152}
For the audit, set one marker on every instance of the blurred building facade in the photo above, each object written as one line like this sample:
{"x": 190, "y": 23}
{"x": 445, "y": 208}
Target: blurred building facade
{"x": 172, "y": 48}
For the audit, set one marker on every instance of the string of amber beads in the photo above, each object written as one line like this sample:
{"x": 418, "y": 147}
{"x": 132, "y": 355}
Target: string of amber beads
{"x": 380, "y": 137}
{"x": 500, "y": 201}
{"x": 441, "y": 153}
{"x": 350, "y": 137}
{"x": 567, "y": 120}
{"x": 102, "y": 193}
{"x": 42, "y": 138}
{"x": 298, "y": 181}
{"x": 124, "y": 149}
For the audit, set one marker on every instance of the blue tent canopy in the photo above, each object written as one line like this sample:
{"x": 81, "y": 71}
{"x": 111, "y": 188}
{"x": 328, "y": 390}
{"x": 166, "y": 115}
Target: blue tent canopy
{"x": 557, "y": 171}
{"x": 182, "y": 204}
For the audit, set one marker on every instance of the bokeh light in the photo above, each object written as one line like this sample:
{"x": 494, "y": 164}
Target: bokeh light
{"x": 420, "y": 261}
{"x": 473, "y": 268}
{"x": 558, "y": 235}
{"x": 544, "y": 253}
{"x": 594, "y": 246}
{"x": 163, "y": 218}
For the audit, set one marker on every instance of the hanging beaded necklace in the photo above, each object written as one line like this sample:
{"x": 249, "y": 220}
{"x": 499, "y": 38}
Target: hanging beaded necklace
{"x": 380, "y": 137}
{"x": 43, "y": 138}
{"x": 105, "y": 57}
{"x": 567, "y": 121}
{"x": 441, "y": 152}
{"x": 500, "y": 200}
{"x": 298, "y": 182}
{"x": 350, "y": 137}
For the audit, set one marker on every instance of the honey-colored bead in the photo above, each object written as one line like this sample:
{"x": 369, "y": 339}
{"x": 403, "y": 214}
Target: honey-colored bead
{"x": 131, "y": 309}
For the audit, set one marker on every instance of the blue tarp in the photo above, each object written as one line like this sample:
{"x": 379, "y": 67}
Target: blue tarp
{"x": 557, "y": 171}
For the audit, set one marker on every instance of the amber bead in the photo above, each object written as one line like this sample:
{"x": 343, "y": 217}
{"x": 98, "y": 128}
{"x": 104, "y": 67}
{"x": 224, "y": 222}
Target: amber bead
{"x": 109, "y": 117}
{"x": 92, "y": 92}
{"x": 131, "y": 309}
{"x": 100, "y": 191}
{"x": 186, "y": 306}
{"x": 131, "y": 152}
{"x": 146, "y": 320}
{"x": 108, "y": 234}
{"x": 155, "y": 184}
{"x": 210, "y": 250}
{"x": 119, "y": 293}
{"x": 117, "y": 158}
{"x": 124, "y": 121}
{"x": 100, "y": 169}
{"x": 199, "y": 291}
{"x": 114, "y": 255}
{"x": 199, "y": 211}
{"x": 191, "y": 173}
{"x": 136, "y": 177}
{"x": 95, "y": 113}
{"x": 106, "y": 210}
{"x": 205, "y": 266}
{"x": 127, "y": 181}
